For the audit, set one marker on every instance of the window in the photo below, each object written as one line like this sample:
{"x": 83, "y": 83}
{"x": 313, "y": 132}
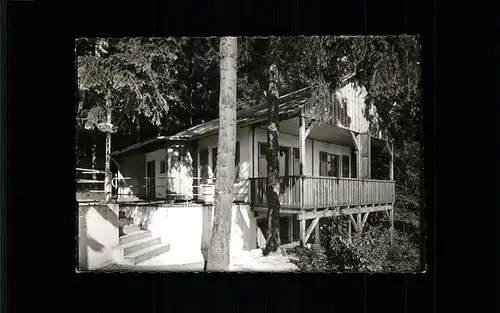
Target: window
{"x": 262, "y": 149}
{"x": 163, "y": 167}
{"x": 345, "y": 166}
{"x": 329, "y": 165}
{"x": 333, "y": 165}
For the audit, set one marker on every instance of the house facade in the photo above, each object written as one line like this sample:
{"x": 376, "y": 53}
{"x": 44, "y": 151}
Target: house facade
{"x": 325, "y": 167}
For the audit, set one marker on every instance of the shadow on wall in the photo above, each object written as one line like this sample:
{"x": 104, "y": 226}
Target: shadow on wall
{"x": 86, "y": 239}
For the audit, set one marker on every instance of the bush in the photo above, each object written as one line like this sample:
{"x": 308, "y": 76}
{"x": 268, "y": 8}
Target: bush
{"x": 369, "y": 251}
{"x": 312, "y": 259}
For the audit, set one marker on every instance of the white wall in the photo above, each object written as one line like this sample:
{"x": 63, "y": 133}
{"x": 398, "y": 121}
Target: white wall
{"x": 98, "y": 233}
{"x": 179, "y": 173}
{"x": 312, "y": 157}
{"x": 188, "y": 229}
{"x": 243, "y": 228}
{"x": 243, "y": 136}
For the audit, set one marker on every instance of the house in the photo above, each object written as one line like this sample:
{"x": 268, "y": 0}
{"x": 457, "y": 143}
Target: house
{"x": 325, "y": 166}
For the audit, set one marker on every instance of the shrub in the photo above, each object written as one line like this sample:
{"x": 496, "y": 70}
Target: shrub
{"x": 312, "y": 259}
{"x": 369, "y": 251}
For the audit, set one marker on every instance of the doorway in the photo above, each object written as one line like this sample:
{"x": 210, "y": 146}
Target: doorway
{"x": 284, "y": 158}
{"x": 150, "y": 180}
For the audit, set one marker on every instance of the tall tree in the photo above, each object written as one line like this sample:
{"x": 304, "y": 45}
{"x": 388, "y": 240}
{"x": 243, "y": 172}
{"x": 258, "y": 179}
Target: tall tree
{"x": 387, "y": 67}
{"x": 273, "y": 165}
{"x": 125, "y": 76}
{"x": 219, "y": 252}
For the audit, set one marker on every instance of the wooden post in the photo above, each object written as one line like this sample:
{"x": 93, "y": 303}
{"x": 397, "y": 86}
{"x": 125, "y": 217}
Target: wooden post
{"x": 358, "y": 220}
{"x": 392, "y": 162}
{"x": 356, "y": 139}
{"x": 107, "y": 168}
{"x": 391, "y": 214}
{"x": 316, "y": 234}
{"x": 302, "y": 145}
{"x": 349, "y": 230}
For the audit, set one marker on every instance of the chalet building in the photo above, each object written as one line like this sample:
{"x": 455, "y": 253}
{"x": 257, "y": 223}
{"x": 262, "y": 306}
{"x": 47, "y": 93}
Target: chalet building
{"x": 325, "y": 171}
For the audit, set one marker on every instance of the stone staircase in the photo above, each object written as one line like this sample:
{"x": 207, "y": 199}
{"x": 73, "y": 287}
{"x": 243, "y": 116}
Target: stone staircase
{"x": 137, "y": 246}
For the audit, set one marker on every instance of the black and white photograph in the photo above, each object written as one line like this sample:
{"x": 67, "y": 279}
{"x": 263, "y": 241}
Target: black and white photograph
{"x": 249, "y": 154}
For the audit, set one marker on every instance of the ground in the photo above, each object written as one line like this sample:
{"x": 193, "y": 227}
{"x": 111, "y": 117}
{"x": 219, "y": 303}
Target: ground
{"x": 248, "y": 261}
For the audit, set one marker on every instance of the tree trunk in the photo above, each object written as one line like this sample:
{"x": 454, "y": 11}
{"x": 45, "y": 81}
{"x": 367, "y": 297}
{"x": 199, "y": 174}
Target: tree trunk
{"x": 107, "y": 164}
{"x": 219, "y": 252}
{"x": 93, "y": 157}
{"x": 273, "y": 164}
{"x": 137, "y": 129}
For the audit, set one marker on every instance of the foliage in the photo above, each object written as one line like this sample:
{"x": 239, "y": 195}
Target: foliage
{"x": 138, "y": 73}
{"x": 369, "y": 251}
{"x": 161, "y": 85}
{"x": 312, "y": 260}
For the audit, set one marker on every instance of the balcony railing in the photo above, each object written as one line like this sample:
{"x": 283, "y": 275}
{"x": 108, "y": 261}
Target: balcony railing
{"x": 126, "y": 189}
{"x": 324, "y": 191}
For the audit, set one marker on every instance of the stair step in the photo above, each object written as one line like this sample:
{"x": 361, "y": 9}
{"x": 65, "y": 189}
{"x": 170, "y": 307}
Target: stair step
{"x": 131, "y": 229}
{"x": 137, "y": 245}
{"x": 147, "y": 253}
{"x": 138, "y": 235}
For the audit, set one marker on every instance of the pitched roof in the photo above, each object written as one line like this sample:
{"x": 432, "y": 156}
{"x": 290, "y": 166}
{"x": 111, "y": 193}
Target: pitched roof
{"x": 290, "y": 105}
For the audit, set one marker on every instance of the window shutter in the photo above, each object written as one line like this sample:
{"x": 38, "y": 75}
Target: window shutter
{"x": 365, "y": 155}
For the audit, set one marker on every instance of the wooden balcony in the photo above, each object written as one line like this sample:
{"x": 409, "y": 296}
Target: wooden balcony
{"x": 324, "y": 192}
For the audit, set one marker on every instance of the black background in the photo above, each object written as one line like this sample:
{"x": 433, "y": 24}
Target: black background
{"x": 459, "y": 82}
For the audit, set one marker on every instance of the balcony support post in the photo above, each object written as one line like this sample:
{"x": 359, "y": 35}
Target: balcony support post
{"x": 390, "y": 147}
{"x": 302, "y": 145}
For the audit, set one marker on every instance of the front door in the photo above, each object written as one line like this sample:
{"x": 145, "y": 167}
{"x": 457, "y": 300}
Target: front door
{"x": 151, "y": 184}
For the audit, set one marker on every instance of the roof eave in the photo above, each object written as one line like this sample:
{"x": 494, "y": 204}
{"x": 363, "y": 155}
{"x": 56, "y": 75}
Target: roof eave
{"x": 148, "y": 142}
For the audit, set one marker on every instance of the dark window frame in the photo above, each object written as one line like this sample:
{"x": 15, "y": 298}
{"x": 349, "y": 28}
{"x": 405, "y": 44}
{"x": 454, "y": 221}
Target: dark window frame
{"x": 326, "y": 158}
